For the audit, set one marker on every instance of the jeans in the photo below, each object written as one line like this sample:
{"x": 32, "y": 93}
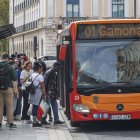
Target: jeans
{"x": 34, "y": 111}
{"x": 55, "y": 109}
{"x": 25, "y": 106}
{"x": 18, "y": 107}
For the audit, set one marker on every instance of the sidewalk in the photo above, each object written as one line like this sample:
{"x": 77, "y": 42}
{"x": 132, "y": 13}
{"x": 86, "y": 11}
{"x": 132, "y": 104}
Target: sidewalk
{"x": 27, "y": 132}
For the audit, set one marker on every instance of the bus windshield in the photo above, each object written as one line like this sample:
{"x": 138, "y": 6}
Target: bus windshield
{"x": 104, "y": 62}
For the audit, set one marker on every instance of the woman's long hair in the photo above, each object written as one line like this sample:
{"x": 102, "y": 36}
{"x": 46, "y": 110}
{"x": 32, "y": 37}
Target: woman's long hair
{"x": 26, "y": 64}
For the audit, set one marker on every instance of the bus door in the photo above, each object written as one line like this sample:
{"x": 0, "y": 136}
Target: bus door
{"x": 66, "y": 81}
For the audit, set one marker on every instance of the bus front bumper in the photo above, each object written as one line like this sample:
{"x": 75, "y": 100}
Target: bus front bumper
{"x": 95, "y": 115}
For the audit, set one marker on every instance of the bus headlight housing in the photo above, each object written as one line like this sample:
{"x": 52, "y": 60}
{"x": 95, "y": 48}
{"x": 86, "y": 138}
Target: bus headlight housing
{"x": 81, "y": 108}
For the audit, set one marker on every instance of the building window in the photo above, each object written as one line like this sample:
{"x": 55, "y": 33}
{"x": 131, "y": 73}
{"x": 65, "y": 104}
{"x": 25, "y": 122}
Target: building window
{"x": 117, "y": 8}
{"x": 72, "y": 8}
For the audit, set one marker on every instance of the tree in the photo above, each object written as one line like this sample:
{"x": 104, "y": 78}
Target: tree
{"x": 4, "y": 12}
{"x": 4, "y": 20}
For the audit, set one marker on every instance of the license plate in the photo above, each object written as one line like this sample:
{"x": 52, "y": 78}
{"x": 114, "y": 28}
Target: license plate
{"x": 120, "y": 117}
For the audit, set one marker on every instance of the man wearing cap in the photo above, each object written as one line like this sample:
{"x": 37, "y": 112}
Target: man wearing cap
{"x": 6, "y": 93}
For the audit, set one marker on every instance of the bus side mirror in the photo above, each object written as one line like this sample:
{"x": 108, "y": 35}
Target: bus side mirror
{"x": 62, "y": 53}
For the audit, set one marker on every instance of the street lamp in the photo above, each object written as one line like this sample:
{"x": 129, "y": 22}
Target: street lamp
{"x": 135, "y": 9}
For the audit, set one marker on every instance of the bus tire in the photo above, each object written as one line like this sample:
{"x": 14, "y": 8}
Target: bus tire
{"x": 75, "y": 124}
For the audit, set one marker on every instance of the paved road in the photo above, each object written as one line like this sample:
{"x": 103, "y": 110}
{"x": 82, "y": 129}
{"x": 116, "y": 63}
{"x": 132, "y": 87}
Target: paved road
{"x": 89, "y": 131}
{"x": 27, "y": 132}
{"x": 106, "y": 131}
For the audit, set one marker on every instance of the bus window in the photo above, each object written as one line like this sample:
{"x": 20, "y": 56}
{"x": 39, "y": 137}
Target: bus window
{"x": 99, "y": 62}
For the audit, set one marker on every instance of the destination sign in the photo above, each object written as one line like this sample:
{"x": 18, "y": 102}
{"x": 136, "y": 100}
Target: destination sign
{"x": 108, "y": 31}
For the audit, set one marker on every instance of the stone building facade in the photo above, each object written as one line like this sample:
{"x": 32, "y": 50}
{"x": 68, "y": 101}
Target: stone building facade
{"x": 37, "y": 22}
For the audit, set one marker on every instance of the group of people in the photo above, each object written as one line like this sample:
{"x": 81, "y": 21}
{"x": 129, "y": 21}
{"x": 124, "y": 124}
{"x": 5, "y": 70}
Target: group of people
{"x": 15, "y": 101}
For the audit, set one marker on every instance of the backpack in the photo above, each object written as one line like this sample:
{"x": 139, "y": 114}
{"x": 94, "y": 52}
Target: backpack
{"x": 30, "y": 88}
{"x": 4, "y": 77}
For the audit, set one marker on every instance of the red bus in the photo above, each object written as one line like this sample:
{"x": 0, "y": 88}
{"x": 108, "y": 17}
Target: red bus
{"x": 99, "y": 79}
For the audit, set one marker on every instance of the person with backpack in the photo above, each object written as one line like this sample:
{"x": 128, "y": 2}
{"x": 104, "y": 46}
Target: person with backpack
{"x": 15, "y": 91}
{"x": 35, "y": 98}
{"x": 51, "y": 90}
{"x": 7, "y": 75}
{"x": 15, "y": 88}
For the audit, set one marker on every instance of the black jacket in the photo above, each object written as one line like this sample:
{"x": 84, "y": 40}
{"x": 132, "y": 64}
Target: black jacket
{"x": 51, "y": 84}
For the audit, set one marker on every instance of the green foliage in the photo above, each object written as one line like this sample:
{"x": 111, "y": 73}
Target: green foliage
{"x": 4, "y": 20}
{"x": 4, "y": 12}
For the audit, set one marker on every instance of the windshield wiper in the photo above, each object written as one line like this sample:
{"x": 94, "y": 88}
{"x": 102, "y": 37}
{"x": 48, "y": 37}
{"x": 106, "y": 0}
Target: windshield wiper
{"x": 111, "y": 85}
{"x": 96, "y": 89}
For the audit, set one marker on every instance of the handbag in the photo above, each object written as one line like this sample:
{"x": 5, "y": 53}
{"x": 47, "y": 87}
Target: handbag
{"x": 42, "y": 109}
{"x": 30, "y": 88}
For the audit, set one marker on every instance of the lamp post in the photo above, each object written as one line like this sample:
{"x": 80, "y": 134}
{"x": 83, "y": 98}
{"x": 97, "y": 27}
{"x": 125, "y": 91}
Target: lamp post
{"x": 135, "y": 9}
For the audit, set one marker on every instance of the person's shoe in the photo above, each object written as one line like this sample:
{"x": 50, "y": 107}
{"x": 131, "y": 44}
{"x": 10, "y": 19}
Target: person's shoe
{"x": 27, "y": 122}
{"x": 36, "y": 125}
{"x": 12, "y": 125}
{"x": 45, "y": 122}
{"x": 8, "y": 124}
{"x": 17, "y": 118}
{"x": 50, "y": 119}
{"x": 59, "y": 122}
{"x": 22, "y": 118}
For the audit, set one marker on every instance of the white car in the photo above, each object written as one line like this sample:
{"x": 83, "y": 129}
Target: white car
{"x": 49, "y": 60}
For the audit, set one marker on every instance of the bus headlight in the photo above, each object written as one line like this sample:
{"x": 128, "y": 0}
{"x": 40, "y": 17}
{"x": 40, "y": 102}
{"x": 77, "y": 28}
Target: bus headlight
{"x": 81, "y": 108}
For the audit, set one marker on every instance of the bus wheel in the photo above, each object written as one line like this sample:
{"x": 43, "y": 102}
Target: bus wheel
{"x": 75, "y": 124}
